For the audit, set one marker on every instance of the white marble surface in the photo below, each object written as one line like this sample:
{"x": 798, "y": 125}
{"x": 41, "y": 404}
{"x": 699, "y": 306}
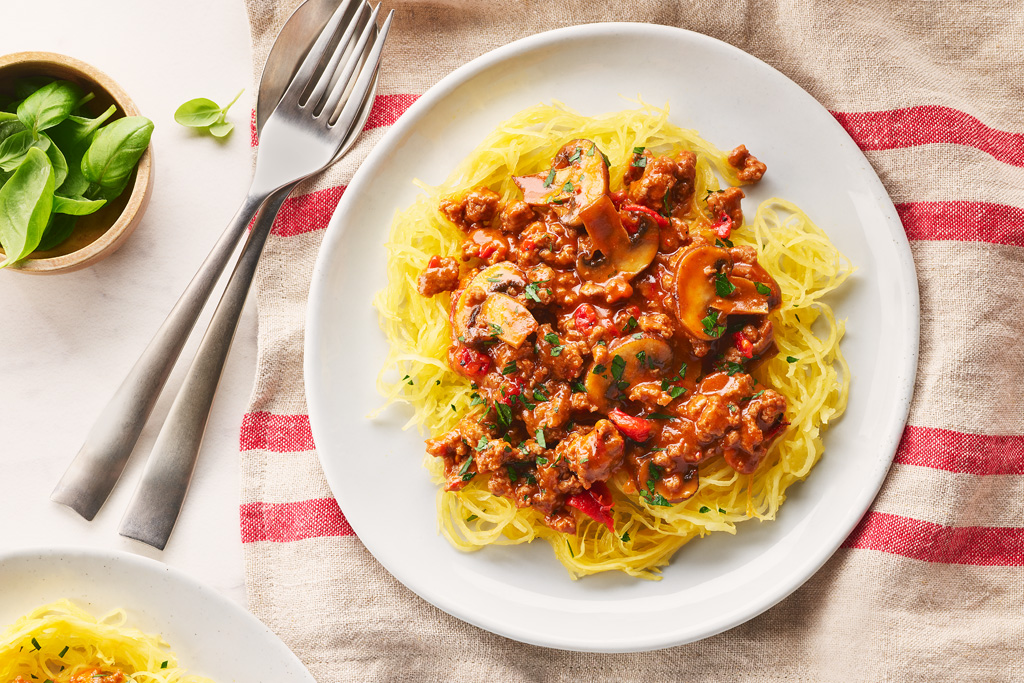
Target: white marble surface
{"x": 66, "y": 341}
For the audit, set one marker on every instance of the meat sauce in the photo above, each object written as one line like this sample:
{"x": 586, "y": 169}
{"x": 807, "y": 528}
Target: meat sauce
{"x": 607, "y": 335}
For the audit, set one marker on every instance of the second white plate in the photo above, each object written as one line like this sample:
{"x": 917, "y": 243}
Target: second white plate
{"x": 715, "y": 583}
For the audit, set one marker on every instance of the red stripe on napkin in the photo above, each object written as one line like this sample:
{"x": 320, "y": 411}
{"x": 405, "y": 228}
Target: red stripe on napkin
{"x": 964, "y": 221}
{"x": 276, "y": 433}
{"x": 930, "y": 542}
{"x": 307, "y": 212}
{"x": 285, "y": 522}
{"x": 929, "y": 124}
{"x": 387, "y": 109}
{"x": 961, "y": 453}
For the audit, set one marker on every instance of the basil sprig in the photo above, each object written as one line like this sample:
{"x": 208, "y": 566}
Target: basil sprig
{"x": 57, "y": 164}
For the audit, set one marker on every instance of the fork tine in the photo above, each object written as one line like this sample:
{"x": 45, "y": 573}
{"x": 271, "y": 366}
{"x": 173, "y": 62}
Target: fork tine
{"x": 332, "y": 66}
{"x": 345, "y": 75}
{"x": 315, "y": 55}
{"x": 354, "y": 104}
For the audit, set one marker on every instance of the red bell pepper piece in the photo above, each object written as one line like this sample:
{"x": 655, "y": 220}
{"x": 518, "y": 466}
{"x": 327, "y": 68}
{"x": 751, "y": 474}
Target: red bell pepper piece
{"x": 435, "y": 261}
{"x": 723, "y": 227}
{"x": 595, "y": 503}
{"x": 658, "y": 218}
{"x": 745, "y": 347}
{"x": 471, "y": 363}
{"x": 585, "y": 317}
{"x": 636, "y": 428}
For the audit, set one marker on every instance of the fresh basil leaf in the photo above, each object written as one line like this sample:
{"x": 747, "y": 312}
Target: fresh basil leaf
{"x": 60, "y": 164}
{"x": 13, "y": 148}
{"x": 23, "y": 87}
{"x": 76, "y": 206}
{"x": 115, "y": 150}
{"x": 57, "y": 231}
{"x": 221, "y": 128}
{"x": 9, "y": 125}
{"x": 76, "y": 130}
{"x": 109, "y": 194}
{"x": 49, "y": 105}
{"x": 198, "y": 113}
{"x": 25, "y": 203}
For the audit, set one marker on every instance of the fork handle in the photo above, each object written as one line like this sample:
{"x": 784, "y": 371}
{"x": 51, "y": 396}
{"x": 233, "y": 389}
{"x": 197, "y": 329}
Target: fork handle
{"x": 154, "y": 507}
{"x": 92, "y": 474}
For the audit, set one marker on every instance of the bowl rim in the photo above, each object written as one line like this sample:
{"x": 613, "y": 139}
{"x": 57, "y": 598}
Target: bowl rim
{"x": 126, "y": 222}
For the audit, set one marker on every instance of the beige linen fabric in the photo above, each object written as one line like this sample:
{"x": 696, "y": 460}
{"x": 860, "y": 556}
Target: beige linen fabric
{"x": 868, "y": 615}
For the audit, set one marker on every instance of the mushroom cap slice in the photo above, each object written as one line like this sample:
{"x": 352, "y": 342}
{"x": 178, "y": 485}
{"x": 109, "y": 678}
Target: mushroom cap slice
{"x": 578, "y": 177}
{"x": 623, "y": 252}
{"x": 639, "y": 360}
{"x": 697, "y": 296}
{"x": 501, "y": 277}
{"x": 512, "y": 321}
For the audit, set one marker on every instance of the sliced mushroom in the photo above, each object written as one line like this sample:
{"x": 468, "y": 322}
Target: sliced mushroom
{"x": 629, "y": 253}
{"x": 501, "y": 277}
{"x": 641, "y": 360}
{"x": 701, "y": 310}
{"x": 512, "y": 322}
{"x": 578, "y": 177}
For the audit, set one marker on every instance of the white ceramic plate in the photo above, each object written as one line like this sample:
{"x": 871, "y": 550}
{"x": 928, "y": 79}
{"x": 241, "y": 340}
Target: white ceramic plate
{"x": 712, "y": 584}
{"x": 210, "y": 635}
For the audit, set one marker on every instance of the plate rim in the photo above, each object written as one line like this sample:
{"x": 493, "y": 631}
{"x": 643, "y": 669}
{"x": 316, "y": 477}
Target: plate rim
{"x": 906, "y": 270}
{"x": 164, "y": 572}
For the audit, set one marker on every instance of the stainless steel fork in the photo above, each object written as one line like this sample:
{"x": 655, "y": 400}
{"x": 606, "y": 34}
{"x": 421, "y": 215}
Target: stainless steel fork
{"x": 303, "y": 135}
{"x": 157, "y": 501}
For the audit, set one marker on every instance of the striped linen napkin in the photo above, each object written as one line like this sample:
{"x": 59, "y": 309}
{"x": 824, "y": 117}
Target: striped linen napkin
{"x": 929, "y": 586}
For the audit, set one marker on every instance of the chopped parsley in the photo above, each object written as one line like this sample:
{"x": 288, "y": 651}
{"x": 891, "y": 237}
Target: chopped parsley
{"x": 676, "y": 392}
{"x": 539, "y": 394}
{"x": 733, "y": 408}
{"x": 570, "y": 549}
{"x": 541, "y": 460}
{"x": 721, "y": 510}
{"x": 618, "y": 366}
{"x": 163, "y": 664}
{"x": 568, "y": 187}
{"x": 642, "y": 357}
{"x": 452, "y": 406}
{"x": 757, "y": 395}
{"x": 475, "y": 399}
{"x": 482, "y": 443}
{"x": 556, "y": 344}
{"x": 510, "y": 368}
{"x": 791, "y": 359}
{"x": 471, "y": 518}
{"x": 762, "y": 288}
{"x": 655, "y": 499}
{"x": 733, "y": 368}
{"x": 495, "y": 329}
{"x": 704, "y": 509}
{"x": 660, "y": 416}
{"x": 625, "y": 537}
{"x": 638, "y": 150}
{"x": 36, "y": 645}
{"x": 504, "y": 412}
{"x": 550, "y": 178}
{"x": 64, "y": 651}
{"x": 599, "y": 368}
{"x": 577, "y": 386}
{"x": 464, "y": 470}
{"x": 630, "y": 324}
{"x": 576, "y": 156}
{"x": 722, "y": 242}
{"x": 606, "y": 162}
{"x": 540, "y": 438}
{"x": 722, "y": 285}
{"x": 531, "y": 291}
{"x": 512, "y": 473}
{"x": 590, "y": 152}
{"x": 711, "y": 326}
{"x": 639, "y": 162}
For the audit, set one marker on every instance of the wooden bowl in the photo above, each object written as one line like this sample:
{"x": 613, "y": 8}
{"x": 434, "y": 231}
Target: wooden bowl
{"x": 97, "y": 235}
